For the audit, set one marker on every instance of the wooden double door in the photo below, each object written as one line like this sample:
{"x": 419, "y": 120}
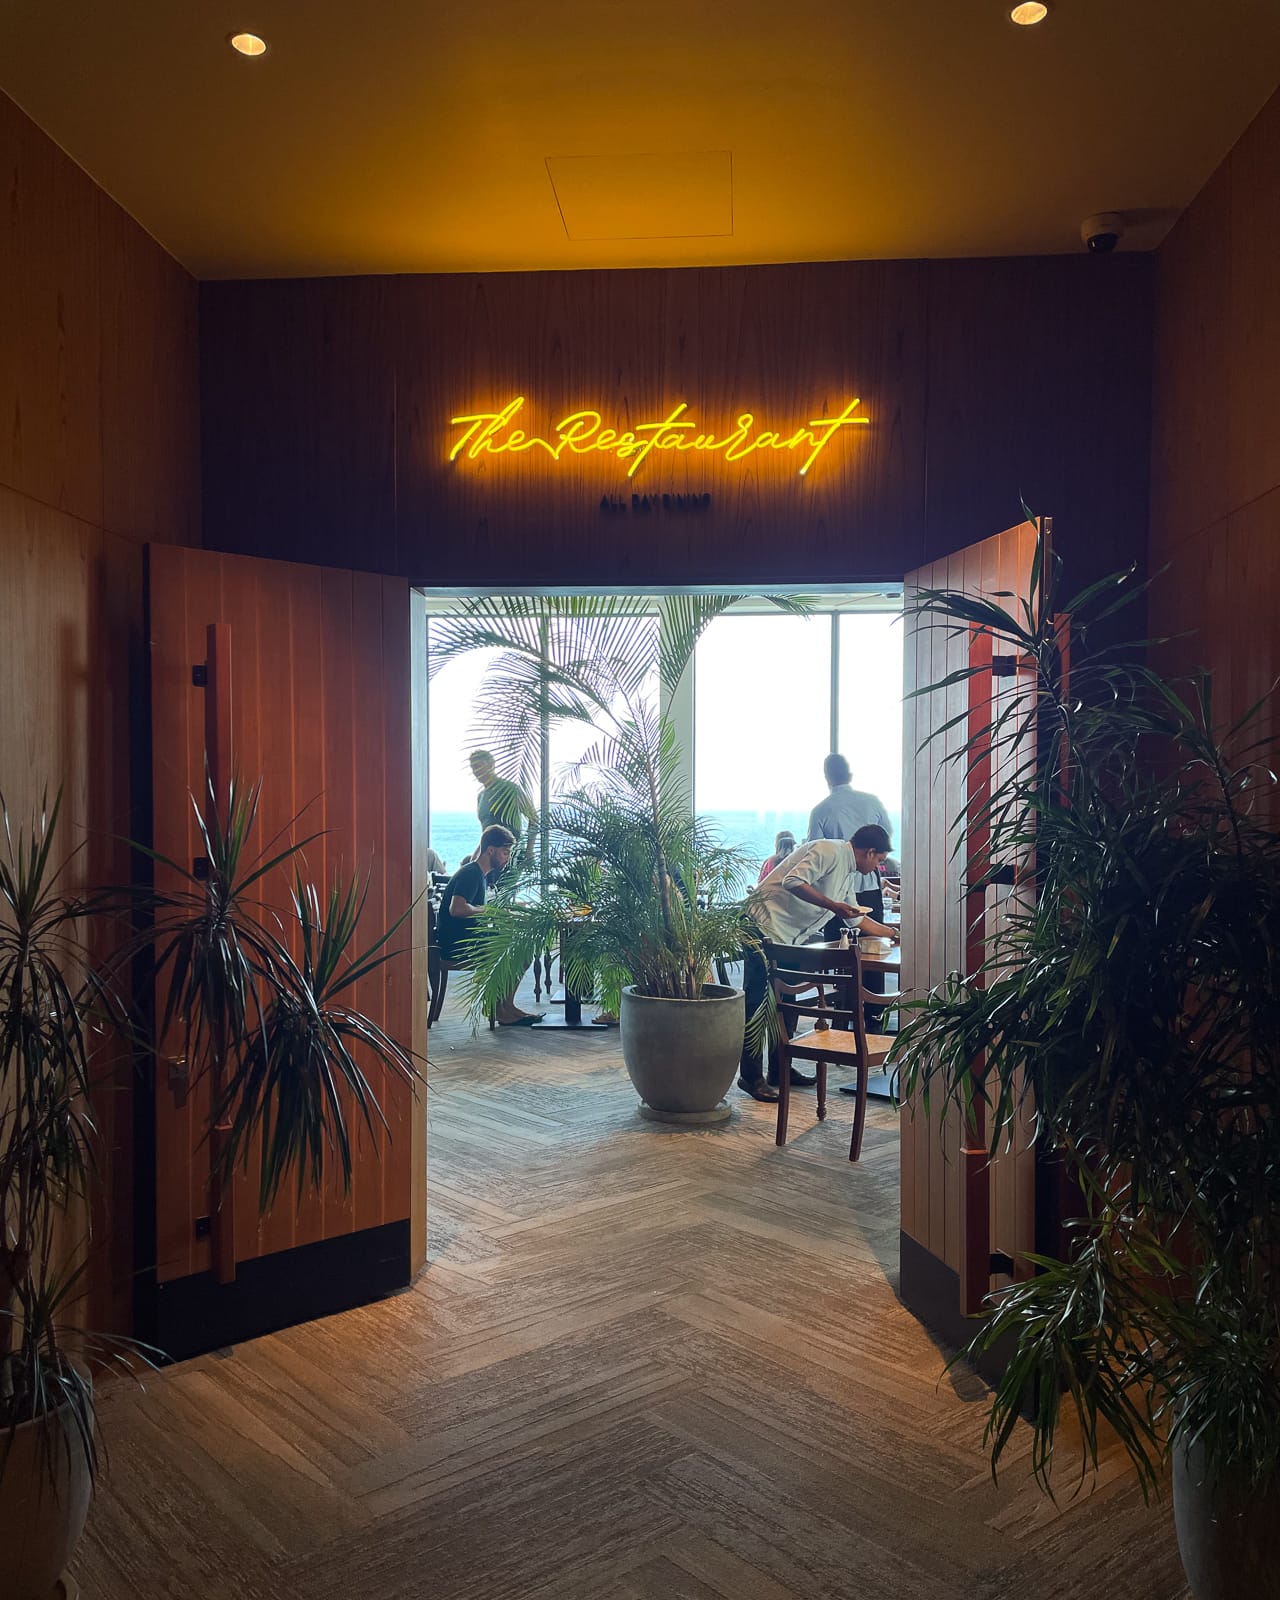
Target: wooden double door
{"x": 317, "y": 677}
{"x": 969, "y": 1222}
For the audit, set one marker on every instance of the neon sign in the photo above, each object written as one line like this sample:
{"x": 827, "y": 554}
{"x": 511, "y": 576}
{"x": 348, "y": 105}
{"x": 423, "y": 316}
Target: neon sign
{"x": 580, "y": 433}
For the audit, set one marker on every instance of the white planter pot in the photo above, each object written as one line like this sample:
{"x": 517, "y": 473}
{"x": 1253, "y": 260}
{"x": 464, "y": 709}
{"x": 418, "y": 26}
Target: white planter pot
{"x": 1228, "y": 1533}
{"x": 682, "y": 1055}
{"x": 44, "y": 1500}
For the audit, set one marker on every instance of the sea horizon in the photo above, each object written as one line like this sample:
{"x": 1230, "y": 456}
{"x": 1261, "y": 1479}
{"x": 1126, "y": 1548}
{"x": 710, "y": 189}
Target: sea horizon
{"x": 454, "y": 834}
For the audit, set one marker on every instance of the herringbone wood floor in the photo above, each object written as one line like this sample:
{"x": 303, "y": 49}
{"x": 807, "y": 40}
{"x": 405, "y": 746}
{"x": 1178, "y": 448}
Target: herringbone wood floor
{"x": 642, "y": 1363}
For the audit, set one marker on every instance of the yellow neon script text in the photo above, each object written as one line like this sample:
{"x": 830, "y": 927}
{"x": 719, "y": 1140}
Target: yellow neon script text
{"x": 491, "y": 432}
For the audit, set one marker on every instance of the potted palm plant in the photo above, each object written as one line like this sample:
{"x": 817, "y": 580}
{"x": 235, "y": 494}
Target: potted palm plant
{"x": 642, "y": 900}
{"x": 1131, "y": 1007}
{"x": 257, "y": 998}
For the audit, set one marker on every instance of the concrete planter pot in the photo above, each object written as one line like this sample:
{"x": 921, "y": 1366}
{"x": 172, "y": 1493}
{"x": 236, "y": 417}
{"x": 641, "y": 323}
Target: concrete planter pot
{"x": 1228, "y": 1533}
{"x": 682, "y": 1055}
{"x": 44, "y": 1500}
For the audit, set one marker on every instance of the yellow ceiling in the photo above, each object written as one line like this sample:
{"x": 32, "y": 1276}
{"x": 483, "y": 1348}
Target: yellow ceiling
{"x": 423, "y": 136}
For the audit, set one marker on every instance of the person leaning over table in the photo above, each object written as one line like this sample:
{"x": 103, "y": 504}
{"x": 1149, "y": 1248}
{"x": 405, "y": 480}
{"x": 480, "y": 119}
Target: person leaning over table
{"x": 791, "y": 906}
{"x": 463, "y": 900}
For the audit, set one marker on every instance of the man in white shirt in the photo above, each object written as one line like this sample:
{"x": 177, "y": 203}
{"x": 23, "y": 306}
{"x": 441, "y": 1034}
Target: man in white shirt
{"x": 791, "y": 906}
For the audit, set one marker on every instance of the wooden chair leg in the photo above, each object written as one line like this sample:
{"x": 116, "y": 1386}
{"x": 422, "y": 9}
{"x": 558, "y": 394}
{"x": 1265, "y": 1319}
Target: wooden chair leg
{"x": 859, "y": 1112}
{"x": 784, "y": 1093}
{"x": 822, "y": 1091}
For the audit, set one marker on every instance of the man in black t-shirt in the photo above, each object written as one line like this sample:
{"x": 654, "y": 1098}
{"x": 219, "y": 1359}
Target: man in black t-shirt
{"x": 463, "y": 899}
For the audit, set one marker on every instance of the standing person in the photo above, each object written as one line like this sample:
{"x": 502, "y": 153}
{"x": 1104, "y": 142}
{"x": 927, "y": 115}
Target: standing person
{"x": 463, "y": 900}
{"x": 843, "y": 812}
{"x": 501, "y": 803}
{"x": 784, "y": 843}
{"x": 790, "y": 907}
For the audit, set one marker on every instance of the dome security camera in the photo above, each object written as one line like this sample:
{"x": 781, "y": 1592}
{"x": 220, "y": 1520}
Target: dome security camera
{"x": 1102, "y": 232}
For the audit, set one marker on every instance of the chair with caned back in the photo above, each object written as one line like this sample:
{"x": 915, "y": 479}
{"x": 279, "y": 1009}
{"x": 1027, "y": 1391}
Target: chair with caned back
{"x": 802, "y": 976}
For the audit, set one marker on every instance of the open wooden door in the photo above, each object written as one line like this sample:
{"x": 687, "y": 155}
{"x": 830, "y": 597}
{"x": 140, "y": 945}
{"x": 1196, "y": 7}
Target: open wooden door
{"x": 967, "y": 1222}
{"x": 307, "y": 678}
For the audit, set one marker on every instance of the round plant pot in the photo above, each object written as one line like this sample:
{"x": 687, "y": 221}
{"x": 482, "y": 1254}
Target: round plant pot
{"x": 44, "y": 1500}
{"x": 681, "y": 1055}
{"x": 1228, "y": 1532}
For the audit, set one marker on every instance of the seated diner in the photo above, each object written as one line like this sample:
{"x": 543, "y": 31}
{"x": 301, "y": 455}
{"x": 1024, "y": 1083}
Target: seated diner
{"x": 463, "y": 901}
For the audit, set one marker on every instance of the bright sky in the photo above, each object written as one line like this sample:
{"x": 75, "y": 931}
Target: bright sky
{"x": 762, "y": 694}
{"x": 762, "y": 712}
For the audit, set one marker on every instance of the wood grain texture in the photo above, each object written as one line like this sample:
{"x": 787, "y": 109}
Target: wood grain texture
{"x": 98, "y": 435}
{"x": 1215, "y": 474}
{"x": 934, "y": 909}
{"x": 50, "y": 438}
{"x": 327, "y": 409}
{"x": 340, "y": 763}
{"x": 70, "y": 607}
{"x": 641, "y": 1362}
{"x": 150, "y": 380}
{"x": 1039, "y": 396}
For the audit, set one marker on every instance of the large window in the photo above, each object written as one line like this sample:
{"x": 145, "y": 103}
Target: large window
{"x": 763, "y": 719}
{"x": 453, "y": 732}
{"x": 869, "y": 715}
{"x": 762, "y": 724}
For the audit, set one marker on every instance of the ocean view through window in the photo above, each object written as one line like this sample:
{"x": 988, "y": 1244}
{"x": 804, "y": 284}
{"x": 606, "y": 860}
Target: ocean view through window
{"x": 762, "y": 724}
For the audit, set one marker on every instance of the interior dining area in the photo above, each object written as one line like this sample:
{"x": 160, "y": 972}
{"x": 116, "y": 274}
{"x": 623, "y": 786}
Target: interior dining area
{"x": 640, "y": 870}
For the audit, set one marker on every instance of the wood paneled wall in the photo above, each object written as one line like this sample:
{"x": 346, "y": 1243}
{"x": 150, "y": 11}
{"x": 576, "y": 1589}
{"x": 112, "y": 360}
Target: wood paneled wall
{"x": 327, "y": 407}
{"x": 320, "y": 709}
{"x": 99, "y": 450}
{"x": 1215, "y": 478}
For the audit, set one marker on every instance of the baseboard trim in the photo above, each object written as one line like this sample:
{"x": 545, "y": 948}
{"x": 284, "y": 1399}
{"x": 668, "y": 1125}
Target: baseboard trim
{"x": 190, "y": 1316}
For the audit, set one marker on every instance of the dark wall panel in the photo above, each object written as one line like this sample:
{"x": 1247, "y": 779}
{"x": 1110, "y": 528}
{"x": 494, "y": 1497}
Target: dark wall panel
{"x": 327, "y": 411}
{"x": 1215, "y": 460}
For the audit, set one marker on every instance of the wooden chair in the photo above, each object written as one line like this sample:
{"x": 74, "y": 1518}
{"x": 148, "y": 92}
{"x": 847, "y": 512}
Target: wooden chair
{"x": 438, "y": 970}
{"x": 801, "y": 976}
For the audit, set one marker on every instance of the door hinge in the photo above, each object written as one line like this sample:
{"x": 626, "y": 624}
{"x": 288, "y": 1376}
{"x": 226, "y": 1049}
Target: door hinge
{"x": 200, "y": 675}
{"x": 204, "y": 1227}
{"x": 1000, "y": 1262}
{"x": 200, "y": 869}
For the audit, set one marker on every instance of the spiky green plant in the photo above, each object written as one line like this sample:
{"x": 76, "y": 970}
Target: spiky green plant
{"x": 1130, "y": 1008}
{"x": 57, "y": 1010}
{"x": 664, "y": 897}
{"x": 271, "y": 1031}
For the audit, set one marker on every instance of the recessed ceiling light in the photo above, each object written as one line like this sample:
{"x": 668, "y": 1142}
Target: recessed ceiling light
{"x": 248, "y": 44}
{"x": 1027, "y": 14}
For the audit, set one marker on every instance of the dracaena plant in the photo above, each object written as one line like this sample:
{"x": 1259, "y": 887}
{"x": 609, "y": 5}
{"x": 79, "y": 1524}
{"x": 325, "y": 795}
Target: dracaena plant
{"x": 57, "y": 1012}
{"x": 622, "y": 842}
{"x": 255, "y": 996}
{"x": 1130, "y": 1009}
{"x": 257, "y": 999}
